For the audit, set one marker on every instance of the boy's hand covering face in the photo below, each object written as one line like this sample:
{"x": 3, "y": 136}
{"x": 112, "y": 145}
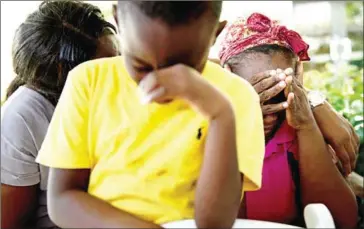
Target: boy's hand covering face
{"x": 181, "y": 81}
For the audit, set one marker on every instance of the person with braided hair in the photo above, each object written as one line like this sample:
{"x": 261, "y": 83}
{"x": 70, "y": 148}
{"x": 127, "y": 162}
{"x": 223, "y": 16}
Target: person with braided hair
{"x": 53, "y": 40}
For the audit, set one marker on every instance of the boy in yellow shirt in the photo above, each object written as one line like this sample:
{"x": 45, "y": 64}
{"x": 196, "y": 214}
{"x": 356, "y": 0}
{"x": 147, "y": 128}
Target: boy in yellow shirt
{"x": 158, "y": 135}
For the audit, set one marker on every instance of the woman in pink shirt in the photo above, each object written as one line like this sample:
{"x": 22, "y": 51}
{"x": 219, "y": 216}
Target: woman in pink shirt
{"x": 298, "y": 166}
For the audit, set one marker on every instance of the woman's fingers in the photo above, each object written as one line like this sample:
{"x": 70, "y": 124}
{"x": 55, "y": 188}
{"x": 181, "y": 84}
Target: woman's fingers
{"x": 274, "y": 108}
{"x": 290, "y": 99}
{"x": 261, "y": 76}
{"x": 271, "y": 92}
{"x": 352, "y": 154}
{"x": 288, "y": 88}
{"x": 269, "y": 82}
{"x": 345, "y": 160}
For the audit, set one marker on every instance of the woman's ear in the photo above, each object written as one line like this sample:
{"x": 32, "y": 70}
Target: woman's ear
{"x": 227, "y": 67}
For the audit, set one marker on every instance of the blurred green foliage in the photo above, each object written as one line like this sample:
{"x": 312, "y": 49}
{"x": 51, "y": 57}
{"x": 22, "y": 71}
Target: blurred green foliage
{"x": 343, "y": 87}
{"x": 354, "y": 11}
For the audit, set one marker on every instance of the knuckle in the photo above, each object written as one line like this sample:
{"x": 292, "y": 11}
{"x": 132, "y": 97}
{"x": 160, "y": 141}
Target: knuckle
{"x": 253, "y": 80}
{"x": 258, "y": 87}
{"x": 263, "y": 97}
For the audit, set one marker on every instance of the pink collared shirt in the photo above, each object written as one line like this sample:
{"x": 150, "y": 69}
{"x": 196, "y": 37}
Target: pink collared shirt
{"x": 276, "y": 200}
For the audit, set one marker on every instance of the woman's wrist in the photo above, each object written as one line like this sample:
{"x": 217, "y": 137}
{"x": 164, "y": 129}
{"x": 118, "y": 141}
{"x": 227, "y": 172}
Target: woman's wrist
{"x": 309, "y": 127}
{"x": 321, "y": 108}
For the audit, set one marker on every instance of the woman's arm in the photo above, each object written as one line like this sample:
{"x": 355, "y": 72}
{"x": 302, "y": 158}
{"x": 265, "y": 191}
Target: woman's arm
{"x": 321, "y": 181}
{"x": 18, "y": 205}
{"x": 70, "y": 206}
{"x": 20, "y": 175}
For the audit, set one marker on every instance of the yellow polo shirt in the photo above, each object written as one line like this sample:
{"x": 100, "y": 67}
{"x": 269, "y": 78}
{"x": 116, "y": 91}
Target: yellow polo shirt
{"x": 144, "y": 159}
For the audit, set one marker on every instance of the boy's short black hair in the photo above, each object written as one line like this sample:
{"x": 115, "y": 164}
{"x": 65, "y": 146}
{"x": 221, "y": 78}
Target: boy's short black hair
{"x": 175, "y": 12}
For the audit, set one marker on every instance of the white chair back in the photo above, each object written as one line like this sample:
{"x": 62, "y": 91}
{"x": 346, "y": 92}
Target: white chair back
{"x": 318, "y": 216}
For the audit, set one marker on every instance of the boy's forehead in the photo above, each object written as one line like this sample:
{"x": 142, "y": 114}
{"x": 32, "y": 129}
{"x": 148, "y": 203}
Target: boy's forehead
{"x": 152, "y": 39}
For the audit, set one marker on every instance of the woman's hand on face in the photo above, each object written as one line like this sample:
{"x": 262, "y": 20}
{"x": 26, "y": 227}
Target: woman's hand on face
{"x": 181, "y": 81}
{"x": 298, "y": 114}
{"x": 269, "y": 84}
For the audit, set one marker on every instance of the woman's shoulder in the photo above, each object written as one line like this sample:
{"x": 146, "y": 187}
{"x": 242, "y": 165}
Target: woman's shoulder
{"x": 25, "y": 112}
{"x": 27, "y": 103}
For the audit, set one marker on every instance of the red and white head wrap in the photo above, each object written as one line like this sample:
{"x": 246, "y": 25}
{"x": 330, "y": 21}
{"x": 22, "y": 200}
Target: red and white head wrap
{"x": 259, "y": 30}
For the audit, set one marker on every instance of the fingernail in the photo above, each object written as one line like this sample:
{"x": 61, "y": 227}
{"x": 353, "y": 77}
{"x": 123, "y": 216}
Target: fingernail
{"x": 273, "y": 72}
{"x": 288, "y": 71}
{"x": 282, "y": 84}
{"x": 282, "y": 76}
{"x": 285, "y": 104}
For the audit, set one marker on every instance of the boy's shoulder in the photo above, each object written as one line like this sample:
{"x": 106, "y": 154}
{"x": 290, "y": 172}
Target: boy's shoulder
{"x": 230, "y": 83}
{"x": 100, "y": 65}
{"x": 100, "y": 71}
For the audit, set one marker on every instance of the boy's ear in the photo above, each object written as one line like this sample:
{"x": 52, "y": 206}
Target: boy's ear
{"x": 220, "y": 28}
{"x": 115, "y": 13}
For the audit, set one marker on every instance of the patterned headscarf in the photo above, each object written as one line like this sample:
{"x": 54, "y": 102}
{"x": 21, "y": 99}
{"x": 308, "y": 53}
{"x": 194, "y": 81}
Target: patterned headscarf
{"x": 259, "y": 30}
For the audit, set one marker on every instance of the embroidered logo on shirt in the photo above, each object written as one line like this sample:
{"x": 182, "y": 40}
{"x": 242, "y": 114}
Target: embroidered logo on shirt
{"x": 199, "y": 133}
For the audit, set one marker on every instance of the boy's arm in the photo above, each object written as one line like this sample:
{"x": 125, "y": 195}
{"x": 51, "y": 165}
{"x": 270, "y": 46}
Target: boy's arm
{"x": 234, "y": 150}
{"x": 70, "y": 206}
{"x": 219, "y": 186}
